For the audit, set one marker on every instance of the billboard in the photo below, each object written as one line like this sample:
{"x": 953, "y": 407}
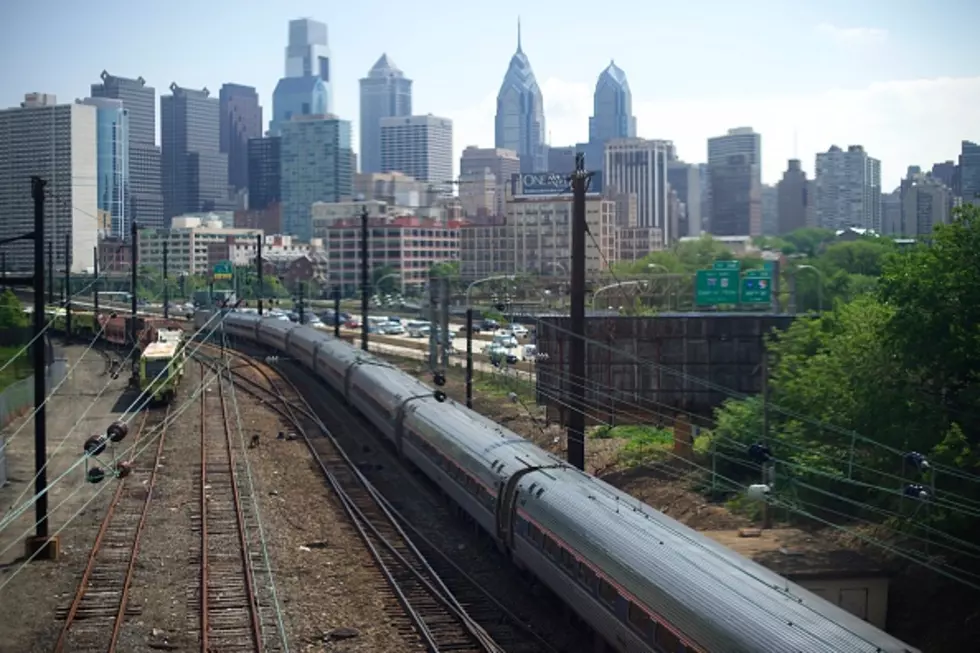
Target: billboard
{"x": 549, "y": 183}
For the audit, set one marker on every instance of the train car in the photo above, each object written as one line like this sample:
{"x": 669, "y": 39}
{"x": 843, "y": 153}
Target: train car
{"x": 160, "y": 371}
{"x": 643, "y": 581}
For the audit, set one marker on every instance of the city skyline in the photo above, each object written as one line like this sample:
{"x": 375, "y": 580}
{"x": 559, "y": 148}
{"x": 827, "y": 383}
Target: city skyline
{"x": 879, "y": 79}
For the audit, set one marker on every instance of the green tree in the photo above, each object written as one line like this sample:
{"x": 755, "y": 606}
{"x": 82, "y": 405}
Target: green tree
{"x": 809, "y": 240}
{"x": 12, "y": 315}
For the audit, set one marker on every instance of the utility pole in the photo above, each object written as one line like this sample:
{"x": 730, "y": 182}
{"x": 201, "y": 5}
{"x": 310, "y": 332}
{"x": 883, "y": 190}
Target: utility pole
{"x": 67, "y": 286}
{"x": 166, "y": 291}
{"x": 258, "y": 269}
{"x": 302, "y": 307}
{"x": 46, "y": 548}
{"x": 134, "y": 241}
{"x": 469, "y": 357}
{"x": 95, "y": 284}
{"x": 3, "y": 267}
{"x": 576, "y": 381}
{"x": 767, "y": 470}
{"x": 433, "y": 321}
{"x": 51, "y": 271}
{"x": 336, "y": 312}
{"x": 444, "y": 322}
{"x": 365, "y": 278}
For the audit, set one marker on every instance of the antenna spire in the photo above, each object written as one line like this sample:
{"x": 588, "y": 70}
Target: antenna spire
{"x": 519, "y": 34}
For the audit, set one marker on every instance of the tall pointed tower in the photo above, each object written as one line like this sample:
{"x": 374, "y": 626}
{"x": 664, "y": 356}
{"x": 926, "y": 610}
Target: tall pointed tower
{"x": 520, "y": 122}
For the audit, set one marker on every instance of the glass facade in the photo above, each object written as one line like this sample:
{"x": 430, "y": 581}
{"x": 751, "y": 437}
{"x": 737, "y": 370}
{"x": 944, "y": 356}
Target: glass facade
{"x": 297, "y": 96}
{"x": 112, "y": 153}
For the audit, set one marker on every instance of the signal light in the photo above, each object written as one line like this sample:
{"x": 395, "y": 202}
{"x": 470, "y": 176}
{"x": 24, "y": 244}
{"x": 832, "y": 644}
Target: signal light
{"x": 439, "y": 379}
{"x": 439, "y": 395}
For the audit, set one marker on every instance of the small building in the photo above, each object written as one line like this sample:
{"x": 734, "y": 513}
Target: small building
{"x": 843, "y": 577}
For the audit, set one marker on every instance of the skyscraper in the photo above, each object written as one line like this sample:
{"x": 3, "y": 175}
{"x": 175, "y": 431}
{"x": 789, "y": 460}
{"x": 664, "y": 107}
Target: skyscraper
{"x": 519, "y": 124}
{"x": 793, "y": 199}
{"x": 112, "y": 150}
{"x": 686, "y": 182}
{"x": 612, "y": 114}
{"x": 241, "y": 119}
{"x": 195, "y": 172}
{"x": 848, "y": 189}
{"x": 925, "y": 203}
{"x": 736, "y": 197}
{"x": 639, "y": 166}
{"x": 420, "y": 147}
{"x": 737, "y": 142}
{"x": 297, "y": 96}
{"x": 501, "y": 163}
{"x": 264, "y": 161}
{"x": 316, "y": 167}
{"x": 308, "y": 54}
{"x": 970, "y": 173}
{"x": 385, "y": 93}
{"x": 58, "y": 143}
{"x": 145, "y": 196}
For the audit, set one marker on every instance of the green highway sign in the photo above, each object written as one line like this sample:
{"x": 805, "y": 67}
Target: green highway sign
{"x": 769, "y": 265}
{"x": 714, "y": 287}
{"x": 756, "y": 290}
{"x": 223, "y": 270}
{"x": 727, "y": 265}
{"x": 757, "y": 273}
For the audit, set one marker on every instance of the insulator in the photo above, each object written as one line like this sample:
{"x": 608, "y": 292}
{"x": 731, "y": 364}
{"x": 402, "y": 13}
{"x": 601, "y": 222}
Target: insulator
{"x": 439, "y": 379}
{"x": 916, "y": 492}
{"x": 439, "y": 395}
{"x": 513, "y": 397}
{"x": 917, "y": 460}
{"x": 124, "y": 468}
{"x": 117, "y": 431}
{"x": 95, "y": 475}
{"x": 95, "y": 445}
{"x": 760, "y": 453}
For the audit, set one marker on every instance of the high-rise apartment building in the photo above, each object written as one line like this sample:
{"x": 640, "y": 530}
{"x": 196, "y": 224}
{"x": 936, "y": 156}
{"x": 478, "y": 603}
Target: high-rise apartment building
{"x": 241, "y": 120}
{"x": 685, "y": 179}
{"x": 769, "y": 208}
{"x": 970, "y": 173}
{"x": 385, "y": 93}
{"x": 112, "y": 145}
{"x": 891, "y": 212}
{"x": 264, "y": 160}
{"x": 925, "y": 203}
{"x": 793, "y": 200}
{"x": 504, "y": 164}
{"x": 948, "y": 172}
{"x": 308, "y": 55}
{"x": 738, "y": 141}
{"x": 316, "y": 167}
{"x": 519, "y": 123}
{"x": 736, "y": 197}
{"x": 297, "y": 96}
{"x": 57, "y": 142}
{"x": 478, "y": 194}
{"x": 848, "y": 189}
{"x": 145, "y": 195}
{"x": 419, "y": 146}
{"x": 195, "y": 172}
{"x": 639, "y": 166}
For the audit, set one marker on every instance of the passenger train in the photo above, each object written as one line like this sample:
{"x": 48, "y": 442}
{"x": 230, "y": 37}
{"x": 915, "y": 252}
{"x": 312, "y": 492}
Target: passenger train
{"x": 643, "y": 582}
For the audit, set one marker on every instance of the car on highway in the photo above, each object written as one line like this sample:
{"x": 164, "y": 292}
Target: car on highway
{"x": 519, "y": 330}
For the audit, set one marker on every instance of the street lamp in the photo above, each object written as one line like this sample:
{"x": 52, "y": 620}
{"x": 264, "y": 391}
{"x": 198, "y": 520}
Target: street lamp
{"x": 820, "y": 282}
{"x": 621, "y": 284}
{"x": 498, "y": 277}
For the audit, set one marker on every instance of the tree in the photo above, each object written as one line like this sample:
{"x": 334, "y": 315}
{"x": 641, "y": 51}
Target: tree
{"x": 809, "y": 240}
{"x": 12, "y": 315}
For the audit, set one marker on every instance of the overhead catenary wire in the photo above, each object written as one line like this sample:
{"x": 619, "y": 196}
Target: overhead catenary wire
{"x": 125, "y": 417}
{"x": 150, "y": 439}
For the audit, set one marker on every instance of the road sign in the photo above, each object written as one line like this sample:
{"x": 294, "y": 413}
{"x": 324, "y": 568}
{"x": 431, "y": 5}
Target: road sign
{"x": 756, "y": 290}
{"x": 223, "y": 270}
{"x": 714, "y": 287}
{"x": 769, "y": 265}
{"x": 757, "y": 273}
{"x": 727, "y": 265}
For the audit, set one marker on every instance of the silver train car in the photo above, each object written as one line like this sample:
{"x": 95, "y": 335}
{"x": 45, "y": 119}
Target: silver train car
{"x": 645, "y": 583}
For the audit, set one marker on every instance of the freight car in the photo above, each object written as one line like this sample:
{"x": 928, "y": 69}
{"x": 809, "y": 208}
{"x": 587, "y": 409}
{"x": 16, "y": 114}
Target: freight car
{"x": 643, "y": 581}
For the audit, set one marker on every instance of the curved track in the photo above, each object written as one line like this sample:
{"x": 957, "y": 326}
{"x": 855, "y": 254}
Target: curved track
{"x": 95, "y": 617}
{"x": 430, "y": 609}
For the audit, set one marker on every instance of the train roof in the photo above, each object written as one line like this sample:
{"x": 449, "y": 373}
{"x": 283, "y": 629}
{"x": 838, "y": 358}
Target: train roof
{"x": 156, "y": 350}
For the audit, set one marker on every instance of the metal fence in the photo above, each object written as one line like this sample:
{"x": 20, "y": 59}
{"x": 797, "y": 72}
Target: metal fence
{"x": 17, "y": 400}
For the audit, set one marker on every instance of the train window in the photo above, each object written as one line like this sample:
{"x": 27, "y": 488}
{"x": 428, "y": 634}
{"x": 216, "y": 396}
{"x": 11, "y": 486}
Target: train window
{"x": 607, "y": 592}
{"x": 586, "y": 576}
{"x": 551, "y": 548}
{"x": 640, "y": 620}
{"x": 568, "y": 561}
{"x": 667, "y": 640}
{"x": 535, "y": 534}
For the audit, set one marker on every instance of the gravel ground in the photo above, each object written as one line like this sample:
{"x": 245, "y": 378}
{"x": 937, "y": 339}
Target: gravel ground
{"x": 30, "y": 595}
{"x": 333, "y": 596}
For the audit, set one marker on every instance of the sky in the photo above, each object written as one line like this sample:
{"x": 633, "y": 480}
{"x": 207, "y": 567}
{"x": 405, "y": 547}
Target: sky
{"x": 901, "y": 78}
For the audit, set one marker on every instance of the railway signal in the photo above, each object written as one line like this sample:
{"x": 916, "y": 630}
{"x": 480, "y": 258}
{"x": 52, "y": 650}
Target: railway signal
{"x": 97, "y": 445}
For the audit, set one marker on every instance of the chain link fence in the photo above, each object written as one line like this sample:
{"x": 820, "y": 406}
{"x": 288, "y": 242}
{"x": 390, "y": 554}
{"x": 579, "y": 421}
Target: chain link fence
{"x": 17, "y": 400}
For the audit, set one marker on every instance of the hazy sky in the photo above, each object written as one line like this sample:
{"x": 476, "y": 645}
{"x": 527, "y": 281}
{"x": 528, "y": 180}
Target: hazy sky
{"x": 900, "y": 77}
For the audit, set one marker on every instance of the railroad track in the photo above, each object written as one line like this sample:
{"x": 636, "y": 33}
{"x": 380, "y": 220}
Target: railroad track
{"x": 230, "y": 618}
{"x": 445, "y": 620}
{"x": 93, "y": 621}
